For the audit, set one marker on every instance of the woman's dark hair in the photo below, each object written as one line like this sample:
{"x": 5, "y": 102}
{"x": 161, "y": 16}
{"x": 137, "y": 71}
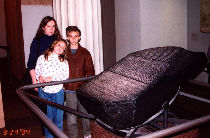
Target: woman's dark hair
{"x": 43, "y": 23}
{"x": 61, "y": 57}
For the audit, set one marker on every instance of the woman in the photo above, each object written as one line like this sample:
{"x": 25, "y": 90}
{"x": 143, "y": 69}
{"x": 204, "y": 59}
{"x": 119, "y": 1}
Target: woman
{"x": 46, "y": 34}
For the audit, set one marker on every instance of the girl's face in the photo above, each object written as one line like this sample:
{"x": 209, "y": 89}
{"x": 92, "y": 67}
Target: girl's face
{"x": 59, "y": 48}
{"x": 73, "y": 37}
{"x": 49, "y": 29}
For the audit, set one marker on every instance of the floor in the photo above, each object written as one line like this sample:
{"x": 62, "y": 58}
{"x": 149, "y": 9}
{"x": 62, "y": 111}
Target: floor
{"x": 20, "y": 121}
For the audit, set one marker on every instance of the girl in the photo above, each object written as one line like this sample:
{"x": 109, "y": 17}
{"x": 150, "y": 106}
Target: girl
{"x": 52, "y": 66}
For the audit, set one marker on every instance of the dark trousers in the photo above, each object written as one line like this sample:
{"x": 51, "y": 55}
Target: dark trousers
{"x": 72, "y": 128}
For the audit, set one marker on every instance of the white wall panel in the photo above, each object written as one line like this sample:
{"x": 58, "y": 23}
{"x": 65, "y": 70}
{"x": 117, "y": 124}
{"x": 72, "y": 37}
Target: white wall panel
{"x": 163, "y": 22}
{"x": 31, "y": 18}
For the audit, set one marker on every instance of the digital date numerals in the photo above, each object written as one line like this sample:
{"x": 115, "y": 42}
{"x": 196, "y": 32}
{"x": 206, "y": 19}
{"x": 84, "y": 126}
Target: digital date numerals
{"x": 15, "y": 132}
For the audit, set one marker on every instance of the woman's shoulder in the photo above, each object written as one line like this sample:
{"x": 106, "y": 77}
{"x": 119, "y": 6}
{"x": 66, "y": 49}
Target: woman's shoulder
{"x": 35, "y": 41}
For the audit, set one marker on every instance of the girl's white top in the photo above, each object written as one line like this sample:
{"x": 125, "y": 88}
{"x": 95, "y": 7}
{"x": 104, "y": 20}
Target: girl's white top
{"x": 54, "y": 68}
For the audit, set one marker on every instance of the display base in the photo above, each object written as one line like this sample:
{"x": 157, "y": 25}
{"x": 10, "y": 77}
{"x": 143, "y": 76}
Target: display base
{"x": 99, "y": 132}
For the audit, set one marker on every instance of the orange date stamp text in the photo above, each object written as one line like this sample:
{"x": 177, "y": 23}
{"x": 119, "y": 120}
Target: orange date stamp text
{"x": 15, "y": 132}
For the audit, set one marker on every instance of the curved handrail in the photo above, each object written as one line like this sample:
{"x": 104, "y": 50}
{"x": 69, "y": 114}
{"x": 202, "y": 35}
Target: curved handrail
{"x": 64, "y": 108}
{"x": 50, "y": 125}
{"x": 172, "y": 131}
{"x": 31, "y": 86}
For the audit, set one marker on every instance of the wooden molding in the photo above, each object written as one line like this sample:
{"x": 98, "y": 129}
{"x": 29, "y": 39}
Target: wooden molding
{"x": 36, "y": 2}
{"x": 14, "y": 36}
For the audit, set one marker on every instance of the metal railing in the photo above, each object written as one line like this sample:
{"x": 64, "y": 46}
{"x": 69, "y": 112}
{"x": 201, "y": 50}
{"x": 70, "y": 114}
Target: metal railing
{"x": 25, "y": 97}
{"x": 49, "y": 124}
{"x": 173, "y": 131}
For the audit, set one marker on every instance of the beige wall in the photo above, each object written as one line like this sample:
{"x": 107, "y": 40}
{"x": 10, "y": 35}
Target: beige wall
{"x": 145, "y": 24}
{"x": 29, "y": 31}
{"x": 36, "y": 2}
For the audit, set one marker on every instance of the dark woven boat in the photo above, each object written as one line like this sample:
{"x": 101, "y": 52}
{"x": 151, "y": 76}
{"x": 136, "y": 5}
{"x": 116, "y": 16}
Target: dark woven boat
{"x": 135, "y": 88}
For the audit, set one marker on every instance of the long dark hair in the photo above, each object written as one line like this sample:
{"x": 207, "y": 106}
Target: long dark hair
{"x": 49, "y": 51}
{"x": 43, "y": 23}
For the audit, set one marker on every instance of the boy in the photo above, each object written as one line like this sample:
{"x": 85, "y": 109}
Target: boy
{"x": 80, "y": 65}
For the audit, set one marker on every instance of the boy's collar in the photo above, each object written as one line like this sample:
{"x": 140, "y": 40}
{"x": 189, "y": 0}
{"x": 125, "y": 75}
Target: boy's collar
{"x": 74, "y": 47}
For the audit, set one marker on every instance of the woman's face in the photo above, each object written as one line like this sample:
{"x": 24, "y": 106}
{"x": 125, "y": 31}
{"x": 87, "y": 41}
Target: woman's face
{"x": 49, "y": 29}
{"x": 59, "y": 48}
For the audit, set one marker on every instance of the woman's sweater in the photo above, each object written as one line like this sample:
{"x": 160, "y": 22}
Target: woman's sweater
{"x": 37, "y": 48}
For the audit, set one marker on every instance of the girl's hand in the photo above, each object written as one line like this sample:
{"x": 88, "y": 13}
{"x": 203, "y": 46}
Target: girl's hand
{"x": 35, "y": 82}
{"x": 41, "y": 79}
{"x": 48, "y": 79}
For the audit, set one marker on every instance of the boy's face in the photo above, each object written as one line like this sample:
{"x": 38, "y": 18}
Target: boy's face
{"x": 73, "y": 37}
